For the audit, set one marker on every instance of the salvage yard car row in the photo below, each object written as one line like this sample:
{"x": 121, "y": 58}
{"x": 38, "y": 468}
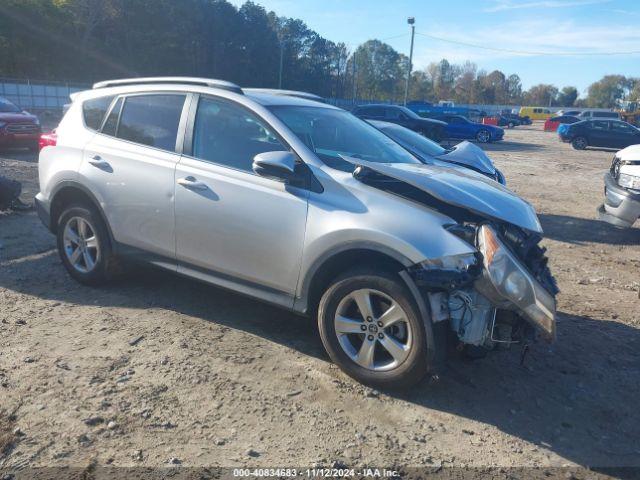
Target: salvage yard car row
{"x": 478, "y": 272}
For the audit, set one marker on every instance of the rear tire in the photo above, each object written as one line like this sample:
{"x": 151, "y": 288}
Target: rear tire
{"x": 368, "y": 346}
{"x": 579, "y": 143}
{"x": 84, "y": 245}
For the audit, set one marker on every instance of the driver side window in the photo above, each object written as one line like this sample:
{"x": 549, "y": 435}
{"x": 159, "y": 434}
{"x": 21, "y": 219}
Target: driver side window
{"x": 227, "y": 134}
{"x": 395, "y": 114}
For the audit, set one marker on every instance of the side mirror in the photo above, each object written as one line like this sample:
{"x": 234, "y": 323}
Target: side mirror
{"x": 279, "y": 165}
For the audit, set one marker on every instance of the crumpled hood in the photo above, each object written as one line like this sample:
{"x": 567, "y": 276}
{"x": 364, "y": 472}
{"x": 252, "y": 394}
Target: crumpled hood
{"x": 467, "y": 190}
{"x": 631, "y": 153}
{"x": 468, "y": 154}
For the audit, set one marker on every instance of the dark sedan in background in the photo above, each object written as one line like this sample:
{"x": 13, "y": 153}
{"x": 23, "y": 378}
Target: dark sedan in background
{"x": 517, "y": 119}
{"x": 465, "y": 155}
{"x": 599, "y": 133}
{"x": 17, "y": 127}
{"x": 430, "y": 128}
{"x": 462, "y": 128}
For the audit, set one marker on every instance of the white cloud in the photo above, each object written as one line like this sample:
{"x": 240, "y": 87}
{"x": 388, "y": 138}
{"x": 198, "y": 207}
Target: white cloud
{"x": 536, "y": 36}
{"x": 501, "y": 5}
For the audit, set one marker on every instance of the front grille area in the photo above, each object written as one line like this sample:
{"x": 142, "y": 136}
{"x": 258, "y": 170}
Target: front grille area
{"x": 27, "y": 128}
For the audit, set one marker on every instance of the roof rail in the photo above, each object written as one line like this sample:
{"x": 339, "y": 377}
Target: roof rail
{"x": 206, "y": 82}
{"x": 286, "y": 93}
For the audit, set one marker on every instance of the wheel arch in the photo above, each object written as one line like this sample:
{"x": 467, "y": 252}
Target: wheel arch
{"x": 333, "y": 262}
{"x": 70, "y": 192}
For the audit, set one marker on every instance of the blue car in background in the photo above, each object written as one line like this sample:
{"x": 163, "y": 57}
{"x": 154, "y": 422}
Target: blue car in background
{"x": 465, "y": 155}
{"x": 462, "y": 128}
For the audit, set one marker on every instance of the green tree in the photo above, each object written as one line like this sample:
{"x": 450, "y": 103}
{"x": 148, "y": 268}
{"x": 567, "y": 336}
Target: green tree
{"x": 542, "y": 95}
{"x": 378, "y": 71}
{"x": 608, "y": 91}
{"x": 567, "y": 96}
{"x": 514, "y": 89}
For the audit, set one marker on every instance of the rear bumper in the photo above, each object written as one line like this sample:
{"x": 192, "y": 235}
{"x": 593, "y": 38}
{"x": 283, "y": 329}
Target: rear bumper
{"x": 621, "y": 207}
{"x": 18, "y": 140}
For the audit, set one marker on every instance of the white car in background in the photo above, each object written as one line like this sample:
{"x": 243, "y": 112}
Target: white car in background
{"x": 622, "y": 189}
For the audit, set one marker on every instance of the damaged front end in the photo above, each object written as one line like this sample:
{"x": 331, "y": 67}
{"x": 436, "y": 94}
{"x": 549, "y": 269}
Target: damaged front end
{"x": 502, "y": 294}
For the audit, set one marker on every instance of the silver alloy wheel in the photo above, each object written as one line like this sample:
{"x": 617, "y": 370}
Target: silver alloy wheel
{"x": 483, "y": 136}
{"x": 81, "y": 245}
{"x": 581, "y": 143}
{"x": 373, "y": 329}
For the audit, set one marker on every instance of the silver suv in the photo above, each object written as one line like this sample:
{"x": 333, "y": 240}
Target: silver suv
{"x": 300, "y": 204}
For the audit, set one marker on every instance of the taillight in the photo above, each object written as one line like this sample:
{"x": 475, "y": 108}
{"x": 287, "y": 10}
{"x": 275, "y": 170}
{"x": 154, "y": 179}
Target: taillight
{"x": 48, "y": 140}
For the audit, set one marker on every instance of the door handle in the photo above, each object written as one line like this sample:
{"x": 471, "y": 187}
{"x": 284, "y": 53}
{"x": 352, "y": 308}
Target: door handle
{"x": 191, "y": 183}
{"x": 98, "y": 162}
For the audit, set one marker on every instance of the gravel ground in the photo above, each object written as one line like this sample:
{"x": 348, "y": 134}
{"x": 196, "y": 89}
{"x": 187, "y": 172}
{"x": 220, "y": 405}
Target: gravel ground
{"x": 158, "y": 370}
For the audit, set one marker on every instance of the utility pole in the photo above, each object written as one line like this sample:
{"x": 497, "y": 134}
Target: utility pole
{"x": 354, "y": 77}
{"x": 281, "y": 62}
{"x": 411, "y": 21}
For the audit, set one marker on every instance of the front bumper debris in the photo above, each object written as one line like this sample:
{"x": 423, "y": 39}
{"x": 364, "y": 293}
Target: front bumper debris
{"x": 621, "y": 207}
{"x": 510, "y": 286}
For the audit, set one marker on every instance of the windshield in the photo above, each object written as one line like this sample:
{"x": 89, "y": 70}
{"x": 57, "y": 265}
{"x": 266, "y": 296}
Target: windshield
{"x": 414, "y": 140}
{"x": 332, "y": 133}
{"x": 7, "y": 107}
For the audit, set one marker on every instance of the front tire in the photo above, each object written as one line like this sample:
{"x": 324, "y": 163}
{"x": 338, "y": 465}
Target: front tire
{"x": 579, "y": 143}
{"x": 84, "y": 245}
{"x": 483, "y": 136}
{"x": 372, "y": 329}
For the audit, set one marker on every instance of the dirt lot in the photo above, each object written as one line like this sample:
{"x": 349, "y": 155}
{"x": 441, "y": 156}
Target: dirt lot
{"x": 217, "y": 379}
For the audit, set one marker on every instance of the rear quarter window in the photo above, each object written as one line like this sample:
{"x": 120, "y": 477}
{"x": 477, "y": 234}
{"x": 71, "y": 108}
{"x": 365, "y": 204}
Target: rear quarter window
{"x": 94, "y": 110}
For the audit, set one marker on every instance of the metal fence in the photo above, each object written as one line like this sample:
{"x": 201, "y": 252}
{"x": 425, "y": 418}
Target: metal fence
{"x": 46, "y": 95}
{"x": 38, "y": 95}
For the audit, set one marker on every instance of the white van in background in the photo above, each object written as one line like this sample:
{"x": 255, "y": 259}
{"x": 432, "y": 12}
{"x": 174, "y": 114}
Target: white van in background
{"x": 587, "y": 114}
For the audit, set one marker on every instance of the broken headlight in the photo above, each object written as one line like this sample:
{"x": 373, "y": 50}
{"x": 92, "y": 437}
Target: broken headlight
{"x": 513, "y": 285}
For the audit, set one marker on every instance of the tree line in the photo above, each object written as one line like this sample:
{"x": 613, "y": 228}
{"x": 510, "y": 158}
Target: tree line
{"x": 91, "y": 40}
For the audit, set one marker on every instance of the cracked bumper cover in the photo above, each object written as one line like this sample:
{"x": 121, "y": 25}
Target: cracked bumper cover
{"x": 621, "y": 207}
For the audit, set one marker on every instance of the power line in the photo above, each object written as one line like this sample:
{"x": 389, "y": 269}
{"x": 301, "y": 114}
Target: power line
{"x": 527, "y": 52}
{"x": 379, "y": 39}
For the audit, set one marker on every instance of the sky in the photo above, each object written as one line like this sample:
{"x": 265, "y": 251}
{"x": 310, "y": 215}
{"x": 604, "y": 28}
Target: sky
{"x": 530, "y": 29}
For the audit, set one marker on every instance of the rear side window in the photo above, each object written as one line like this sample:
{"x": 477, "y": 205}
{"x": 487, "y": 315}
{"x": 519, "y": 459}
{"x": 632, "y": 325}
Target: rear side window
{"x": 94, "y": 111}
{"x": 151, "y": 120}
{"x": 605, "y": 114}
{"x": 372, "y": 111}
